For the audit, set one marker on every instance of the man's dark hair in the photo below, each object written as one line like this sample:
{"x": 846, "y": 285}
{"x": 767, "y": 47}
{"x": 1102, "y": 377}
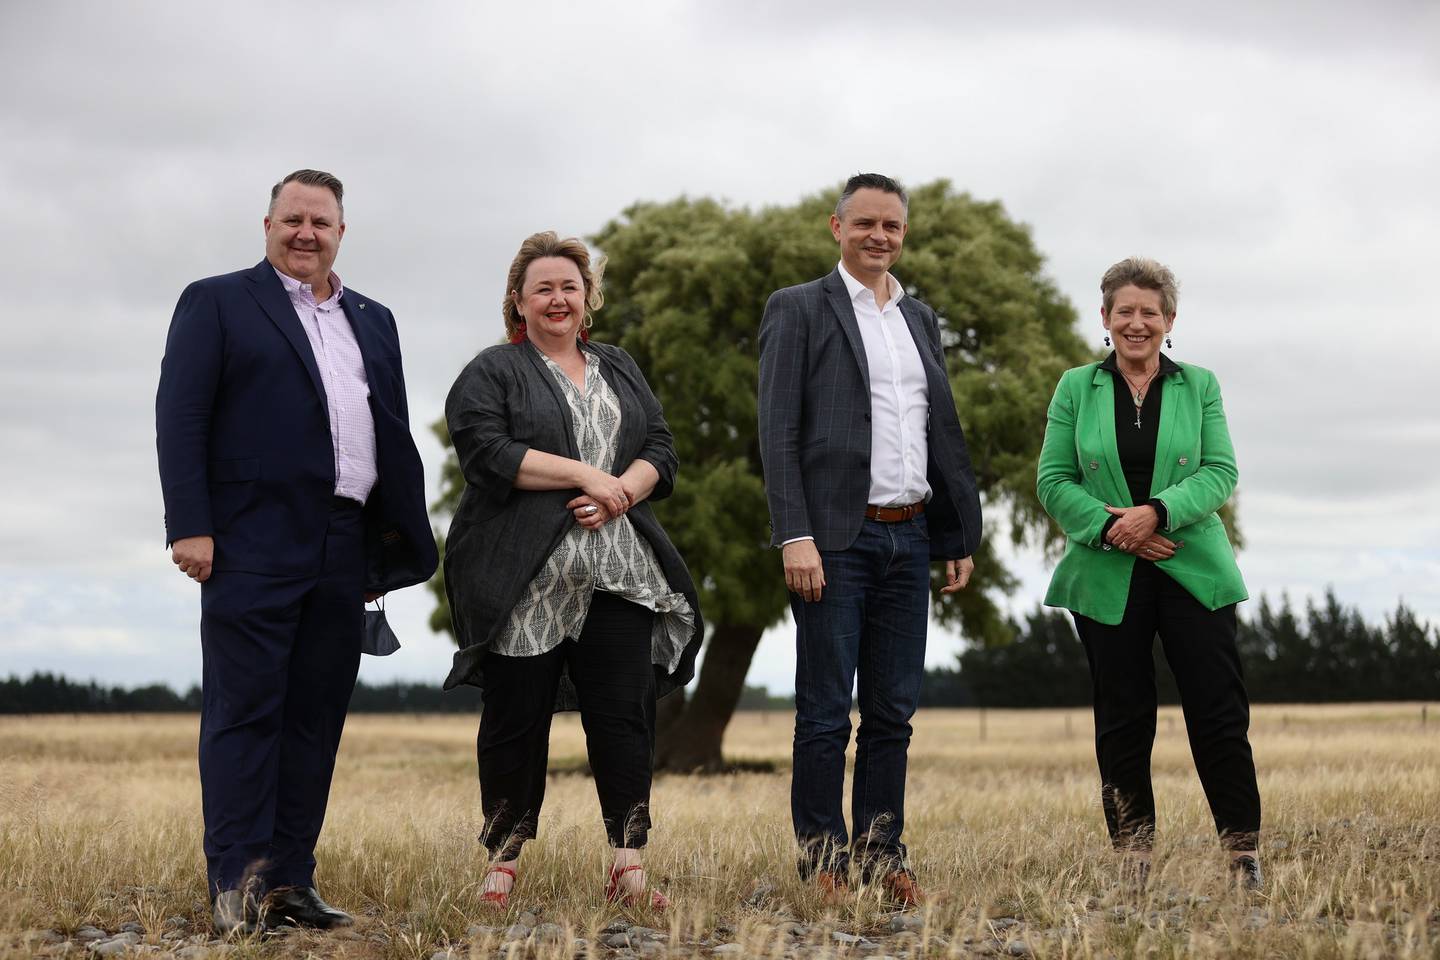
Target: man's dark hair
{"x": 875, "y": 181}
{"x": 311, "y": 178}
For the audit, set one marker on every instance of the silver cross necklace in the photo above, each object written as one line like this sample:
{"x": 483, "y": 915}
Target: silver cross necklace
{"x": 1138, "y": 395}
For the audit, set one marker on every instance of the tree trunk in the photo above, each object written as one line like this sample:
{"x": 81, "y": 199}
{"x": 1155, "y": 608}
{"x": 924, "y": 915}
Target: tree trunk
{"x": 691, "y": 742}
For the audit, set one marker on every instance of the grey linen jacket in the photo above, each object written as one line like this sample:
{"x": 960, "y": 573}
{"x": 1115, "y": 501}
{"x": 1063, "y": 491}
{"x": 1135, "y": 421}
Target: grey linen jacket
{"x": 815, "y": 423}
{"x": 505, "y": 402}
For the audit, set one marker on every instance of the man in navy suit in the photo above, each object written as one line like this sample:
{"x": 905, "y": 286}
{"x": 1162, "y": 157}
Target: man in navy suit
{"x": 869, "y": 480}
{"x": 293, "y": 494}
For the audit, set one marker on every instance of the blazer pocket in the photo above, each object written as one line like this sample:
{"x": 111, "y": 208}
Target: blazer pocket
{"x": 234, "y": 471}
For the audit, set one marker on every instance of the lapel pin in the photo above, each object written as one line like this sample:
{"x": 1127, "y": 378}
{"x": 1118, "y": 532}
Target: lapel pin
{"x": 362, "y": 306}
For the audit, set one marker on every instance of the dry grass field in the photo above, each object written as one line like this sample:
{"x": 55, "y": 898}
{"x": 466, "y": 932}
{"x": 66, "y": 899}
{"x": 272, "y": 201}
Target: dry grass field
{"x": 100, "y": 825}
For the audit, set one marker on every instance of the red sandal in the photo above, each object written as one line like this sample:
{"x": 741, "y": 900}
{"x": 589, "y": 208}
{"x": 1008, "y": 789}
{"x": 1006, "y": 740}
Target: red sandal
{"x": 501, "y": 898}
{"x": 658, "y": 900}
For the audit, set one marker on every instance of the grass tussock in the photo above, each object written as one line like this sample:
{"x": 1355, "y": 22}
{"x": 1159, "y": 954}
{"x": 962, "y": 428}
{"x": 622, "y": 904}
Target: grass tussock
{"x": 100, "y": 824}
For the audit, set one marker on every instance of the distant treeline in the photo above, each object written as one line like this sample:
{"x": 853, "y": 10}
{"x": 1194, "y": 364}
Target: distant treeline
{"x": 1329, "y": 654}
{"x": 49, "y": 693}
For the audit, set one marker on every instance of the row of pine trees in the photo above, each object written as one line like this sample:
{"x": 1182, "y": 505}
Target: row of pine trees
{"x": 1326, "y": 653}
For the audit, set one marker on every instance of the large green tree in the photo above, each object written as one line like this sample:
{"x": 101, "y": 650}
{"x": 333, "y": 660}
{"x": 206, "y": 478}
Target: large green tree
{"x": 685, "y": 287}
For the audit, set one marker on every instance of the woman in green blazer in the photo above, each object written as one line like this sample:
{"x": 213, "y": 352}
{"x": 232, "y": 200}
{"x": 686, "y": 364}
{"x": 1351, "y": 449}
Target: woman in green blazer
{"x": 1136, "y": 462}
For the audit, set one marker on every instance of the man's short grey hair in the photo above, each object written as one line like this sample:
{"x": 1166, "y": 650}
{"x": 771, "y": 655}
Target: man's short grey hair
{"x": 874, "y": 181}
{"x": 1146, "y": 274}
{"x": 311, "y": 178}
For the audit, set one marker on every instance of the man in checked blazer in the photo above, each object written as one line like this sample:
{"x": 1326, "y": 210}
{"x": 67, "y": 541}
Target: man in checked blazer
{"x": 868, "y": 480}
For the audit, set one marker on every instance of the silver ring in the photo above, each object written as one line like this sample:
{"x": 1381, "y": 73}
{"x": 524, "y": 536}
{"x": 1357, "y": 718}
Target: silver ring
{"x": 591, "y": 509}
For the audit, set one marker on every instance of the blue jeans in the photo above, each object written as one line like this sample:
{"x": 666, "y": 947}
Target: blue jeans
{"x": 870, "y": 619}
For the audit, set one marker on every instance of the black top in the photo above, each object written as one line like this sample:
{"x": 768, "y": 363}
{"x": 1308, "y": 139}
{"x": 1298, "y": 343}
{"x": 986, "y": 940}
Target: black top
{"x": 1136, "y": 444}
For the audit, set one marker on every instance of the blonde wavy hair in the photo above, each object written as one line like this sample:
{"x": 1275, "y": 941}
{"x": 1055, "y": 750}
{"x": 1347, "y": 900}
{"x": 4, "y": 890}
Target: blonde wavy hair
{"x": 537, "y": 246}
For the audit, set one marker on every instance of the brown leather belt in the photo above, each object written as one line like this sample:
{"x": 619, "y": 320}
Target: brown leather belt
{"x": 895, "y": 514}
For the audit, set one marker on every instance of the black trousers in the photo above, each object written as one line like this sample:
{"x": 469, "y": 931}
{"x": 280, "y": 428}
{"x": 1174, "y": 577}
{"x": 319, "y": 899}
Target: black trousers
{"x": 280, "y": 659}
{"x": 610, "y": 667}
{"x": 1199, "y": 645}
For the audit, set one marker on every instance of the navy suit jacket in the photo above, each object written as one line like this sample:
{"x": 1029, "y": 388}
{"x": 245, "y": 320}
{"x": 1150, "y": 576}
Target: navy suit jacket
{"x": 815, "y": 423}
{"x": 243, "y": 434}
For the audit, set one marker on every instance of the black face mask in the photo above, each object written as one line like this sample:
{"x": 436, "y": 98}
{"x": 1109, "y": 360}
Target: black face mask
{"x": 378, "y": 639}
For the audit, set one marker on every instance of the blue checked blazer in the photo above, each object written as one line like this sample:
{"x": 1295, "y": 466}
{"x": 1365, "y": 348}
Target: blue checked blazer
{"x": 815, "y": 423}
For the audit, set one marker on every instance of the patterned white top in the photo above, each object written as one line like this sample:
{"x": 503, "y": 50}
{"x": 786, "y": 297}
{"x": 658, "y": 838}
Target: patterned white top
{"x": 614, "y": 558}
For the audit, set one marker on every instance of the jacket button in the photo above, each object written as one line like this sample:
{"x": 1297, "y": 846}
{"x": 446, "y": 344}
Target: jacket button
{"x": 1184, "y": 460}
{"x": 1094, "y": 464}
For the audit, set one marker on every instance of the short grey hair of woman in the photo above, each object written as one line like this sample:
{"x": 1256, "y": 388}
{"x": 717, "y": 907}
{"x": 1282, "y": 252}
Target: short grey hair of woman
{"x": 538, "y": 246}
{"x": 1146, "y": 274}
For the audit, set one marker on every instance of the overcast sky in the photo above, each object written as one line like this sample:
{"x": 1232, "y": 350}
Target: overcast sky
{"x": 1282, "y": 164}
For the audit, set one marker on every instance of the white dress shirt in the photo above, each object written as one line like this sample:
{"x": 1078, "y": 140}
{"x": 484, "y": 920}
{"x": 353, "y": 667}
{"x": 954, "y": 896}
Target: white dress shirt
{"x": 899, "y": 397}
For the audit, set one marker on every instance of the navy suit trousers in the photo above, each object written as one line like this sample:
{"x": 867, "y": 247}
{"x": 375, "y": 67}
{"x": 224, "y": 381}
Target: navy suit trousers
{"x": 280, "y": 659}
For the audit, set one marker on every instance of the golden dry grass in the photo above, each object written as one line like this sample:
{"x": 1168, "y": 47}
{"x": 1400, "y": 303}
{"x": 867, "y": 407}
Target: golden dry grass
{"x": 100, "y": 823}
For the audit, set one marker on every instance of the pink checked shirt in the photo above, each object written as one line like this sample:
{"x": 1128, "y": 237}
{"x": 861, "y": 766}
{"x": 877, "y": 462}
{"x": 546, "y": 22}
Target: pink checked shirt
{"x": 342, "y": 371}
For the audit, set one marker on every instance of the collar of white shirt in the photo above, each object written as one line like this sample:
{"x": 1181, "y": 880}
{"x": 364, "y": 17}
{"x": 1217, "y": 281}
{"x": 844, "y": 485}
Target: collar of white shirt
{"x": 858, "y": 289}
{"x": 294, "y": 287}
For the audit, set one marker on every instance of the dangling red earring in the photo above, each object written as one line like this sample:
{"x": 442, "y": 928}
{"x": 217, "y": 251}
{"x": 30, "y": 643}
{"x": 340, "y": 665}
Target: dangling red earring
{"x": 519, "y": 335}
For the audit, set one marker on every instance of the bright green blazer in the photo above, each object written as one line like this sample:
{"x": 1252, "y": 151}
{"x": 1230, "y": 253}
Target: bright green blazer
{"x": 1080, "y": 473}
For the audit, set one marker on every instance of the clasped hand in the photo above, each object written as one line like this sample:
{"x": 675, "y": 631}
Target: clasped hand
{"x": 605, "y": 497}
{"x": 1135, "y": 533}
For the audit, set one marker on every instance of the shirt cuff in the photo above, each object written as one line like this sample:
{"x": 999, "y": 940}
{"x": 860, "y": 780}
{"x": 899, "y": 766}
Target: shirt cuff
{"x": 796, "y": 540}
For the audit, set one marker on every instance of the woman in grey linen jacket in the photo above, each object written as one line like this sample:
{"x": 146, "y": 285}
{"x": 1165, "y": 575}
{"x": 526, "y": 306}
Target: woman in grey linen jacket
{"x": 528, "y": 625}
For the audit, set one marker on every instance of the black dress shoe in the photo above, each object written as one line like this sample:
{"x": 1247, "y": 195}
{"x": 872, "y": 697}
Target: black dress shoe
{"x": 303, "y": 907}
{"x": 1246, "y": 871}
{"x": 235, "y": 911}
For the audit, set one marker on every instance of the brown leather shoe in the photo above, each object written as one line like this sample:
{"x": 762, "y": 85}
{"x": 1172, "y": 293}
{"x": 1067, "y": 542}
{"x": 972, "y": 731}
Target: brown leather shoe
{"x": 834, "y": 890}
{"x": 902, "y": 889}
